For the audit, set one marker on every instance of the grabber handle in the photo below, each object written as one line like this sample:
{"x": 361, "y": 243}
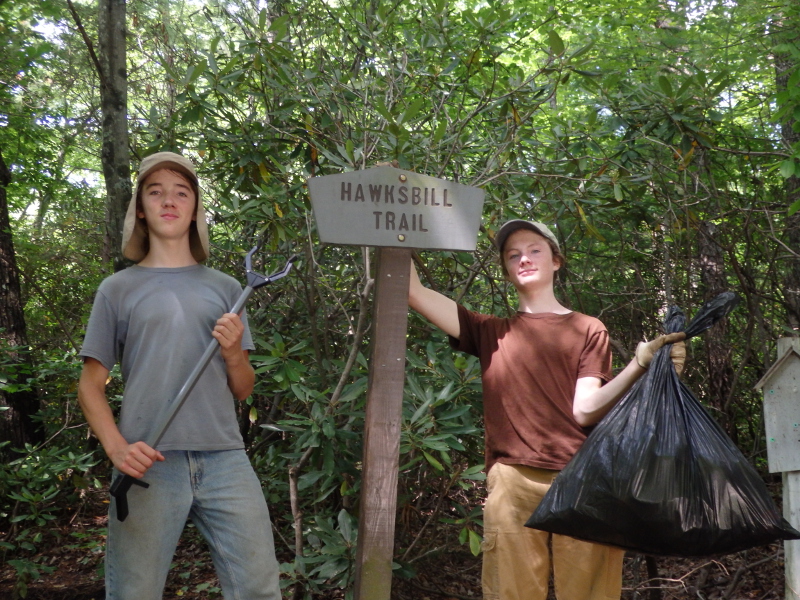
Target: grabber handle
{"x": 119, "y": 490}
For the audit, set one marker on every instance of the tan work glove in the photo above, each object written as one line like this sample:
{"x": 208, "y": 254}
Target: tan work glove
{"x": 646, "y": 350}
{"x": 678, "y": 356}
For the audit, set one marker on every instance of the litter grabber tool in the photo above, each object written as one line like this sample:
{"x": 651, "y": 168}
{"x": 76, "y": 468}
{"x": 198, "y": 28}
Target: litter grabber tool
{"x": 122, "y": 483}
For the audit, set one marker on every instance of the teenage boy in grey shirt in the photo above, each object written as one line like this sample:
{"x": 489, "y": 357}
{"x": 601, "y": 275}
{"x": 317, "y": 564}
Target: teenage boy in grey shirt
{"x": 154, "y": 318}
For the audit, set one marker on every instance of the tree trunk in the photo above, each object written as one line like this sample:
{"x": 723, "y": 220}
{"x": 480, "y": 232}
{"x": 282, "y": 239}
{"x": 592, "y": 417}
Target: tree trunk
{"x": 16, "y": 423}
{"x": 718, "y": 348}
{"x": 115, "y": 154}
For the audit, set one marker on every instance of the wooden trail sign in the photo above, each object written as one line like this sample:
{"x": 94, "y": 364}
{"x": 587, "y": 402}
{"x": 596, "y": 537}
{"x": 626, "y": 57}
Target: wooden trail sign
{"x": 390, "y": 207}
{"x": 396, "y": 211}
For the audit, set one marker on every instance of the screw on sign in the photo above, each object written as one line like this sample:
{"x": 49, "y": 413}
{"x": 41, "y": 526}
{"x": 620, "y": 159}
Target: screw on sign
{"x": 395, "y": 211}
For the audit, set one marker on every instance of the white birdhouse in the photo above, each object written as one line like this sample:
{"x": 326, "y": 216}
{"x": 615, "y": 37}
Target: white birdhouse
{"x": 781, "y": 388}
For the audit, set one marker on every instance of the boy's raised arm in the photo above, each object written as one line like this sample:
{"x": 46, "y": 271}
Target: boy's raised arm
{"x": 593, "y": 400}
{"x": 437, "y": 308}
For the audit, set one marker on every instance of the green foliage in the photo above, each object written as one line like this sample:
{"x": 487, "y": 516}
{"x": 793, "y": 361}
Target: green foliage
{"x": 639, "y": 132}
{"x": 35, "y": 489}
{"x": 37, "y": 484}
{"x": 787, "y": 98}
{"x": 32, "y": 483}
{"x": 332, "y": 558}
{"x": 27, "y": 571}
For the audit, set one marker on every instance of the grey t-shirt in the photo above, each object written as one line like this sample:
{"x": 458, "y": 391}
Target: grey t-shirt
{"x": 157, "y": 323}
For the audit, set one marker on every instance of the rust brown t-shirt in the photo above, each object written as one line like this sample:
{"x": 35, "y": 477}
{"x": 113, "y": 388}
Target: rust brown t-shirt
{"x": 530, "y": 364}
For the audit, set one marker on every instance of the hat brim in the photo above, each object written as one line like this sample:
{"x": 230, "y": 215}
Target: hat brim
{"x": 513, "y": 225}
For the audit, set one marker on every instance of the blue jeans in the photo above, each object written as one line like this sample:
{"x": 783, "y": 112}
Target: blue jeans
{"x": 222, "y": 495}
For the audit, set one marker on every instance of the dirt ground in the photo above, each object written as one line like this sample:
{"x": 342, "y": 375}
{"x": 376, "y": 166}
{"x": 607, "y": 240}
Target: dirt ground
{"x": 756, "y": 574}
{"x": 75, "y": 553}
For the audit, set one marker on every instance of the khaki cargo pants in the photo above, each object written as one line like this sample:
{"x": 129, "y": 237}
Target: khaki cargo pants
{"x": 516, "y": 559}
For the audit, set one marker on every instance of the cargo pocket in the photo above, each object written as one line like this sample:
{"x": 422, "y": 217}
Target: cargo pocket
{"x": 489, "y": 541}
{"x": 490, "y": 576}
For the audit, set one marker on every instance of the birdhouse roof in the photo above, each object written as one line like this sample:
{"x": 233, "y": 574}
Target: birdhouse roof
{"x": 789, "y": 355}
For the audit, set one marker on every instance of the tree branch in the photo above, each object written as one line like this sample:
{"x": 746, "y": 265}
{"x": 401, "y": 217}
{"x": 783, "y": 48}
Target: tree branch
{"x": 92, "y": 54}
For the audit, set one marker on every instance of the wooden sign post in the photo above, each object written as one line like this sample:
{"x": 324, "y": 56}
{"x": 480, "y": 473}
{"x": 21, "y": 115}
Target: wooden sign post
{"x": 396, "y": 211}
{"x": 781, "y": 388}
{"x": 382, "y": 427}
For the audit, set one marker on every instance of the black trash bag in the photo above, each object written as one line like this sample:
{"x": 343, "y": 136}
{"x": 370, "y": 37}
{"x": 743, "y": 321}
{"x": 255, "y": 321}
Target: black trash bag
{"x": 658, "y": 475}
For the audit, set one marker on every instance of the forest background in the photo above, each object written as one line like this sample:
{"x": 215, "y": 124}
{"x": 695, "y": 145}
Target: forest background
{"x": 661, "y": 139}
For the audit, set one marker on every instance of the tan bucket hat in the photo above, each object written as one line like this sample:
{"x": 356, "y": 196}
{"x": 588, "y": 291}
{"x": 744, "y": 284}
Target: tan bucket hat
{"x": 134, "y": 232}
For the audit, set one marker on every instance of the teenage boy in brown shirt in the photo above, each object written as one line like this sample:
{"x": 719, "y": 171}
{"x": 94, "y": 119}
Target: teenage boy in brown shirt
{"x": 546, "y": 376}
